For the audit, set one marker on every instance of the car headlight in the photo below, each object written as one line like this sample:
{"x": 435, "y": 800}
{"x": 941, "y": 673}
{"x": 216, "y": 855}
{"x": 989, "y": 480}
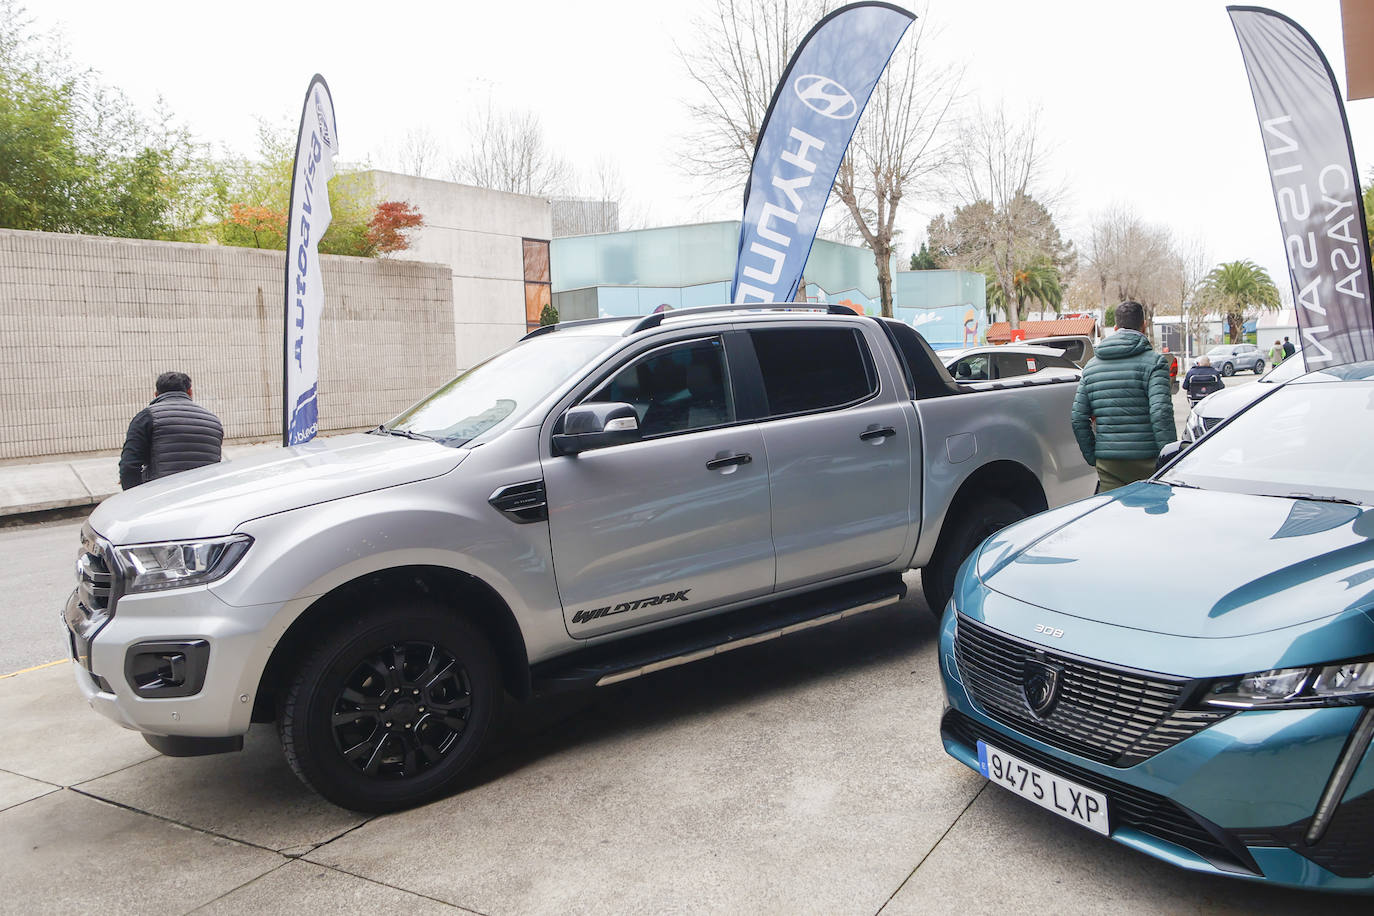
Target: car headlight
{"x": 1342, "y": 684}
{"x": 177, "y": 564}
{"x": 1193, "y": 427}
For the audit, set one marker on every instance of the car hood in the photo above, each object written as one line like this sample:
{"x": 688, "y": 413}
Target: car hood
{"x": 1189, "y": 562}
{"x": 215, "y": 499}
{"x": 1222, "y": 404}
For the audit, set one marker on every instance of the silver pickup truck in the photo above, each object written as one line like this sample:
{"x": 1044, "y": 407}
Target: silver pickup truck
{"x": 603, "y": 500}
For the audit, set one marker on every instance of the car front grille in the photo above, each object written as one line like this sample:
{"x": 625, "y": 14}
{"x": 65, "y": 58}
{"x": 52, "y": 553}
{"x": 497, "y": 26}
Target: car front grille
{"x": 1209, "y": 422}
{"x": 1115, "y": 716}
{"x": 1127, "y": 805}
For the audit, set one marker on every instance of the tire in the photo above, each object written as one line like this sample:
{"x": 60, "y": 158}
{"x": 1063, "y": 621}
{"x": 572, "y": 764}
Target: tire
{"x": 1259, "y": 366}
{"x": 961, "y": 535}
{"x": 1228, "y": 369}
{"x": 391, "y": 708}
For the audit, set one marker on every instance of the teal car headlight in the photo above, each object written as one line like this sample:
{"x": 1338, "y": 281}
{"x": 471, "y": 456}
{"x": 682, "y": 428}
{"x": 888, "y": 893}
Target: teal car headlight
{"x": 1342, "y": 684}
{"x": 177, "y": 564}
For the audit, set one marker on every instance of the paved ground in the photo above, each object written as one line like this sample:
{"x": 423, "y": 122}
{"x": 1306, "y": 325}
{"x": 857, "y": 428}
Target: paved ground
{"x": 800, "y": 776}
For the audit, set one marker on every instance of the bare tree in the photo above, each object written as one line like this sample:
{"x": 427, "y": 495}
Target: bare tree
{"x": 508, "y": 153}
{"x": 899, "y": 144}
{"x": 1002, "y": 164}
{"x": 420, "y": 154}
{"x": 740, "y": 50}
{"x": 1136, "y": 260}
{"x": 597, "y": 204}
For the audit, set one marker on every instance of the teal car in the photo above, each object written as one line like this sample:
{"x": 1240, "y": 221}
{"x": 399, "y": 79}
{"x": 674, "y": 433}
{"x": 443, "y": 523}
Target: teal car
{"x": 1197, "y": 689}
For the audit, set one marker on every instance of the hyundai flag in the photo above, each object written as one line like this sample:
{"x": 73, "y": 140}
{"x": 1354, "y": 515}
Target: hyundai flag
{"x": 307, "y": 218}
{"x": 812, "y": 117}
{"x": 1317, "y": 190}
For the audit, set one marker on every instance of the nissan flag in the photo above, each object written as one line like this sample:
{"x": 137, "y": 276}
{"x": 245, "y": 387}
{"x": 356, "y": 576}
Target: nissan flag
{"x": 317, "y": 144}
{"x": 1312, "y": 168}
{"x": 815, "y": 108}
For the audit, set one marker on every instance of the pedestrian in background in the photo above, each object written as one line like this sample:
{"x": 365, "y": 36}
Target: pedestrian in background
{"x": 1288, "y": 348}
{"x": 171, "y": 434}
{"x": 1276, "y": 353}
{"x": 1202, "y": 380}
{"x": 1123, "y": 413}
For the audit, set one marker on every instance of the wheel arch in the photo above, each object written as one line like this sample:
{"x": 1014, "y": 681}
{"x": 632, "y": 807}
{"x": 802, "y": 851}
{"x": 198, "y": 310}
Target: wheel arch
{"x": 1004, "y": 478}
{"x": 462, "y": 592}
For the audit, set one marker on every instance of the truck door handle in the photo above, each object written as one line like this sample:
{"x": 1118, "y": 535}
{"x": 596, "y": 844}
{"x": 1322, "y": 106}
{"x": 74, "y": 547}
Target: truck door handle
{"x": 880, "y": 433}
{"x": 715, "y": 464}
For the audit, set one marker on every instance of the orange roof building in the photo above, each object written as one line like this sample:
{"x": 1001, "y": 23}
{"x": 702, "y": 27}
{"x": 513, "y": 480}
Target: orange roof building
{"x": 1000, "y": 332}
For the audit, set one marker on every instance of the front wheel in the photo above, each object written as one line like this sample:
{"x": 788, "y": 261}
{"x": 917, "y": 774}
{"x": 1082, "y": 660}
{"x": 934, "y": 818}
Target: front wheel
{"x": 391, "y": 708}
{"x": 976, "y": 522}
{"x": 1228, "y": 369}
{"x": 1259, "y": 366}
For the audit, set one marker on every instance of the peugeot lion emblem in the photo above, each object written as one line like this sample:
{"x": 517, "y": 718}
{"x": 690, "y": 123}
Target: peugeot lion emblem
{"x": 1040, "y": 683}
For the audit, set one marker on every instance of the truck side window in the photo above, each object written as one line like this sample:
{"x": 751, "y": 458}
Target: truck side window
{"x": 810, "y": 369}
{"x": 674, "y": 389}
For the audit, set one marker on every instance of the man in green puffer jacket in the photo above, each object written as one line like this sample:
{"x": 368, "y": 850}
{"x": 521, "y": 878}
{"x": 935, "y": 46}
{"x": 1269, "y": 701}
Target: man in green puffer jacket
{"x": 1123, "y": 413}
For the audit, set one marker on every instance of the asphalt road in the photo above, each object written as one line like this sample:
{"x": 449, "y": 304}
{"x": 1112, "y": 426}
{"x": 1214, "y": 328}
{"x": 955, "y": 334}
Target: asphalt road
{"x": 37, "y": 572}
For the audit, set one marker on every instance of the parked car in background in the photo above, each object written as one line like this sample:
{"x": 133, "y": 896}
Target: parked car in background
{"x": 1078, "y": 348}
{"x": 1216, "y": 407}
{"x": 1213, "y": 709}
{"x": 1232, "y": 358}
{"x": 994, "y": 362}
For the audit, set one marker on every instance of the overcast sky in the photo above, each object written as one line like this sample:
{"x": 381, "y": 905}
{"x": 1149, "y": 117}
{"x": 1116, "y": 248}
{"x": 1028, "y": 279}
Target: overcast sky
{"x": 1144, "y": 103}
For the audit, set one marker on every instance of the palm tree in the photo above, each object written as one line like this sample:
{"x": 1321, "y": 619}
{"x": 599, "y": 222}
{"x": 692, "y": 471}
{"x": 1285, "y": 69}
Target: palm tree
{"x": 1039, "y": 282}
{"x": 1235, "y": 287}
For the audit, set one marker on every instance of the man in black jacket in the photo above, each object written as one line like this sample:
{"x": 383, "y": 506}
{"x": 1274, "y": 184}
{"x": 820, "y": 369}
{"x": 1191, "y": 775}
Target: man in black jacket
{"x": 171, "y": 434}
{"x": 1202, "y": 380}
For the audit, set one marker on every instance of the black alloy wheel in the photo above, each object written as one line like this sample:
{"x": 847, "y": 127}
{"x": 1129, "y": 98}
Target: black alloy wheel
{"x": 1228, "y": 369}
{"x": 390, "y": 708}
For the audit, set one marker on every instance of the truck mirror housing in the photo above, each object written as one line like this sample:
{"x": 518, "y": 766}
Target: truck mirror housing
{"x": 590, "y": 426}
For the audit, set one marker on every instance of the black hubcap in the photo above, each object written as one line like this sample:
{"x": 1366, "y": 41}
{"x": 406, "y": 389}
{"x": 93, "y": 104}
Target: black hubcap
{"x": 401, "y": 710}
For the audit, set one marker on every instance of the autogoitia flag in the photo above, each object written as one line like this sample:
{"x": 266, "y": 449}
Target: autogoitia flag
{"x": 317, "y": 144}
{"x": 815, "y": 109}
{"x": 1317, "y": 190}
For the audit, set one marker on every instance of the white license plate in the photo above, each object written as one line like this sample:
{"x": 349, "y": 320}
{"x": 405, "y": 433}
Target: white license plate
{"x": 1053, "y": 793}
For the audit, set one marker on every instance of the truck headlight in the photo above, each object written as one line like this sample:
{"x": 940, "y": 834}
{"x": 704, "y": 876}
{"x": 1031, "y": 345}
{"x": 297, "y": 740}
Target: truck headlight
{"x": 177, "y": 564}
{"x": 1342, "y": 684}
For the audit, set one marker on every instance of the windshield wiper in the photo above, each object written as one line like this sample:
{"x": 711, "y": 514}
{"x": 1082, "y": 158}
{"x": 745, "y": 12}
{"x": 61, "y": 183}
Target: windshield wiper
{"x": 1316, "y": 499}
{"x": 1178, "y": 483}
{"x": 410, "y": 434}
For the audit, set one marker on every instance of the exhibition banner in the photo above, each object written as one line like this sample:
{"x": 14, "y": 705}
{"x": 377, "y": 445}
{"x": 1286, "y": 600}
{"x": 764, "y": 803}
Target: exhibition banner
{"x": 815, "y": 109}
{"x": 1316, "y": 188}
{"x": 317, "y": 143}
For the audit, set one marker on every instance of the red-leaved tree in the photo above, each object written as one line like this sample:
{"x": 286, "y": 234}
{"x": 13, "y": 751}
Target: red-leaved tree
{"x": 386, "y": 229}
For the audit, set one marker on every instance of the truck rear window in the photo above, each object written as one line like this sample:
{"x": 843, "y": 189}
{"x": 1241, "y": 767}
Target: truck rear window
{"x": 810, "y": 369}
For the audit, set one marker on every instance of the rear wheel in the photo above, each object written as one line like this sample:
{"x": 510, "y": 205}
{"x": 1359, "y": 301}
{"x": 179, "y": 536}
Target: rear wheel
{"x": 1259, "y": 366}
{"x": 391, "y": 708}
{"x": 982, "y": 518}
{"x": 1228, "y": 369}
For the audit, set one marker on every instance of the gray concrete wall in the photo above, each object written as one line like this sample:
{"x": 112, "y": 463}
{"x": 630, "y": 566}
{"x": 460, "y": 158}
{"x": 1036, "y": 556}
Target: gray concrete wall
{"x": 87, "y": 324}
{"x": 477, "y": 233}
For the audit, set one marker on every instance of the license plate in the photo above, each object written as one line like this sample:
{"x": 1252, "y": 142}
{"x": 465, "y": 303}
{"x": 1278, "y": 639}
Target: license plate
{"x": 1053, "y": 793}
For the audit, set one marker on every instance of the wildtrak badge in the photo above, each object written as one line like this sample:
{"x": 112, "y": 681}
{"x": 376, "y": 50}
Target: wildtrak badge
{"x": 590, "y": 614}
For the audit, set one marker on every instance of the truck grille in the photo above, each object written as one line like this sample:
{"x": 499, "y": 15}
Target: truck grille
{"x": 94, "y": 580}
{"x": 1111, "y": 715}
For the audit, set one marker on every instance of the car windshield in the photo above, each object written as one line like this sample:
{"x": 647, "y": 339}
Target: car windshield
{"x": 1286, "y": 371}
{"x": 499, "y": 391}
{"x": 1310, "y": 441}
{"x": 1219, "y": 351}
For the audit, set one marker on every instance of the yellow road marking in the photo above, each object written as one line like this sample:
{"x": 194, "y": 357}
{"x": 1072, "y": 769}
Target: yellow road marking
{"x": 60, "y": 661}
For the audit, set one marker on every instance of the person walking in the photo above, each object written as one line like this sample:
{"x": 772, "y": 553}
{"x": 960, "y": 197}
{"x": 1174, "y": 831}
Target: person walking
{"x": 1276, "y": 353}
{"x": 1123, "y": 413}
{"x": 1288, "y": 348}
{"x": 171, "y": 434}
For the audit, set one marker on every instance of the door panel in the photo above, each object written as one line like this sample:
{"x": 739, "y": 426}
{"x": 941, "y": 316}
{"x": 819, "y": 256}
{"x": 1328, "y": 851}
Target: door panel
{"x": 645, "y": 531}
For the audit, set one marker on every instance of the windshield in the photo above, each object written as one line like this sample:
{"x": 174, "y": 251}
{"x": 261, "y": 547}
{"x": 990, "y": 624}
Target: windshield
{"x": 1219, "y": 351}
{"x": 1305, "y": 440}
{"x": 499, "y": 391}
{"x": 1286, "y": 371}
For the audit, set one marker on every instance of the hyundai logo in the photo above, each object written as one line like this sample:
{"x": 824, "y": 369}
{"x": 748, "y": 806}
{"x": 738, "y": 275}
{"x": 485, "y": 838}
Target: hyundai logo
{"x": 1040, "y": 683}
{"x": 825, "y": 97}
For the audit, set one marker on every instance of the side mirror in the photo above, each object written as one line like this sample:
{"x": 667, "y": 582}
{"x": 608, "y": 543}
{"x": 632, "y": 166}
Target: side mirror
{"x": 589, "y": 426}
{"x": 1170, "y": 452}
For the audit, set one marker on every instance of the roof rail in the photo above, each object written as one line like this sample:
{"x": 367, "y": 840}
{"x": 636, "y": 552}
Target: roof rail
{"x": 550, "y": 328}
{"x": 656, "y": 319}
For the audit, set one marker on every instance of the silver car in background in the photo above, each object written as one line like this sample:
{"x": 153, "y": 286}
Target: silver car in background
{"x": 1216, "y": 407}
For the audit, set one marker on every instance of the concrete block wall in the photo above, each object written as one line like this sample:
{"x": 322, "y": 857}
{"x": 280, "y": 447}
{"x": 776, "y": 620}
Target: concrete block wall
{"x": 478, "y": 233}
{"x": 87, "y": 324}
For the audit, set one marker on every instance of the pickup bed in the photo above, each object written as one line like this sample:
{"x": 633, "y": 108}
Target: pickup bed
{"x": 601, "y": 501}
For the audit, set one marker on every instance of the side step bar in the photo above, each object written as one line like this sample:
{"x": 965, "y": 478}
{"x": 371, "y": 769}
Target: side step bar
{"x": 611, "y": 663}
